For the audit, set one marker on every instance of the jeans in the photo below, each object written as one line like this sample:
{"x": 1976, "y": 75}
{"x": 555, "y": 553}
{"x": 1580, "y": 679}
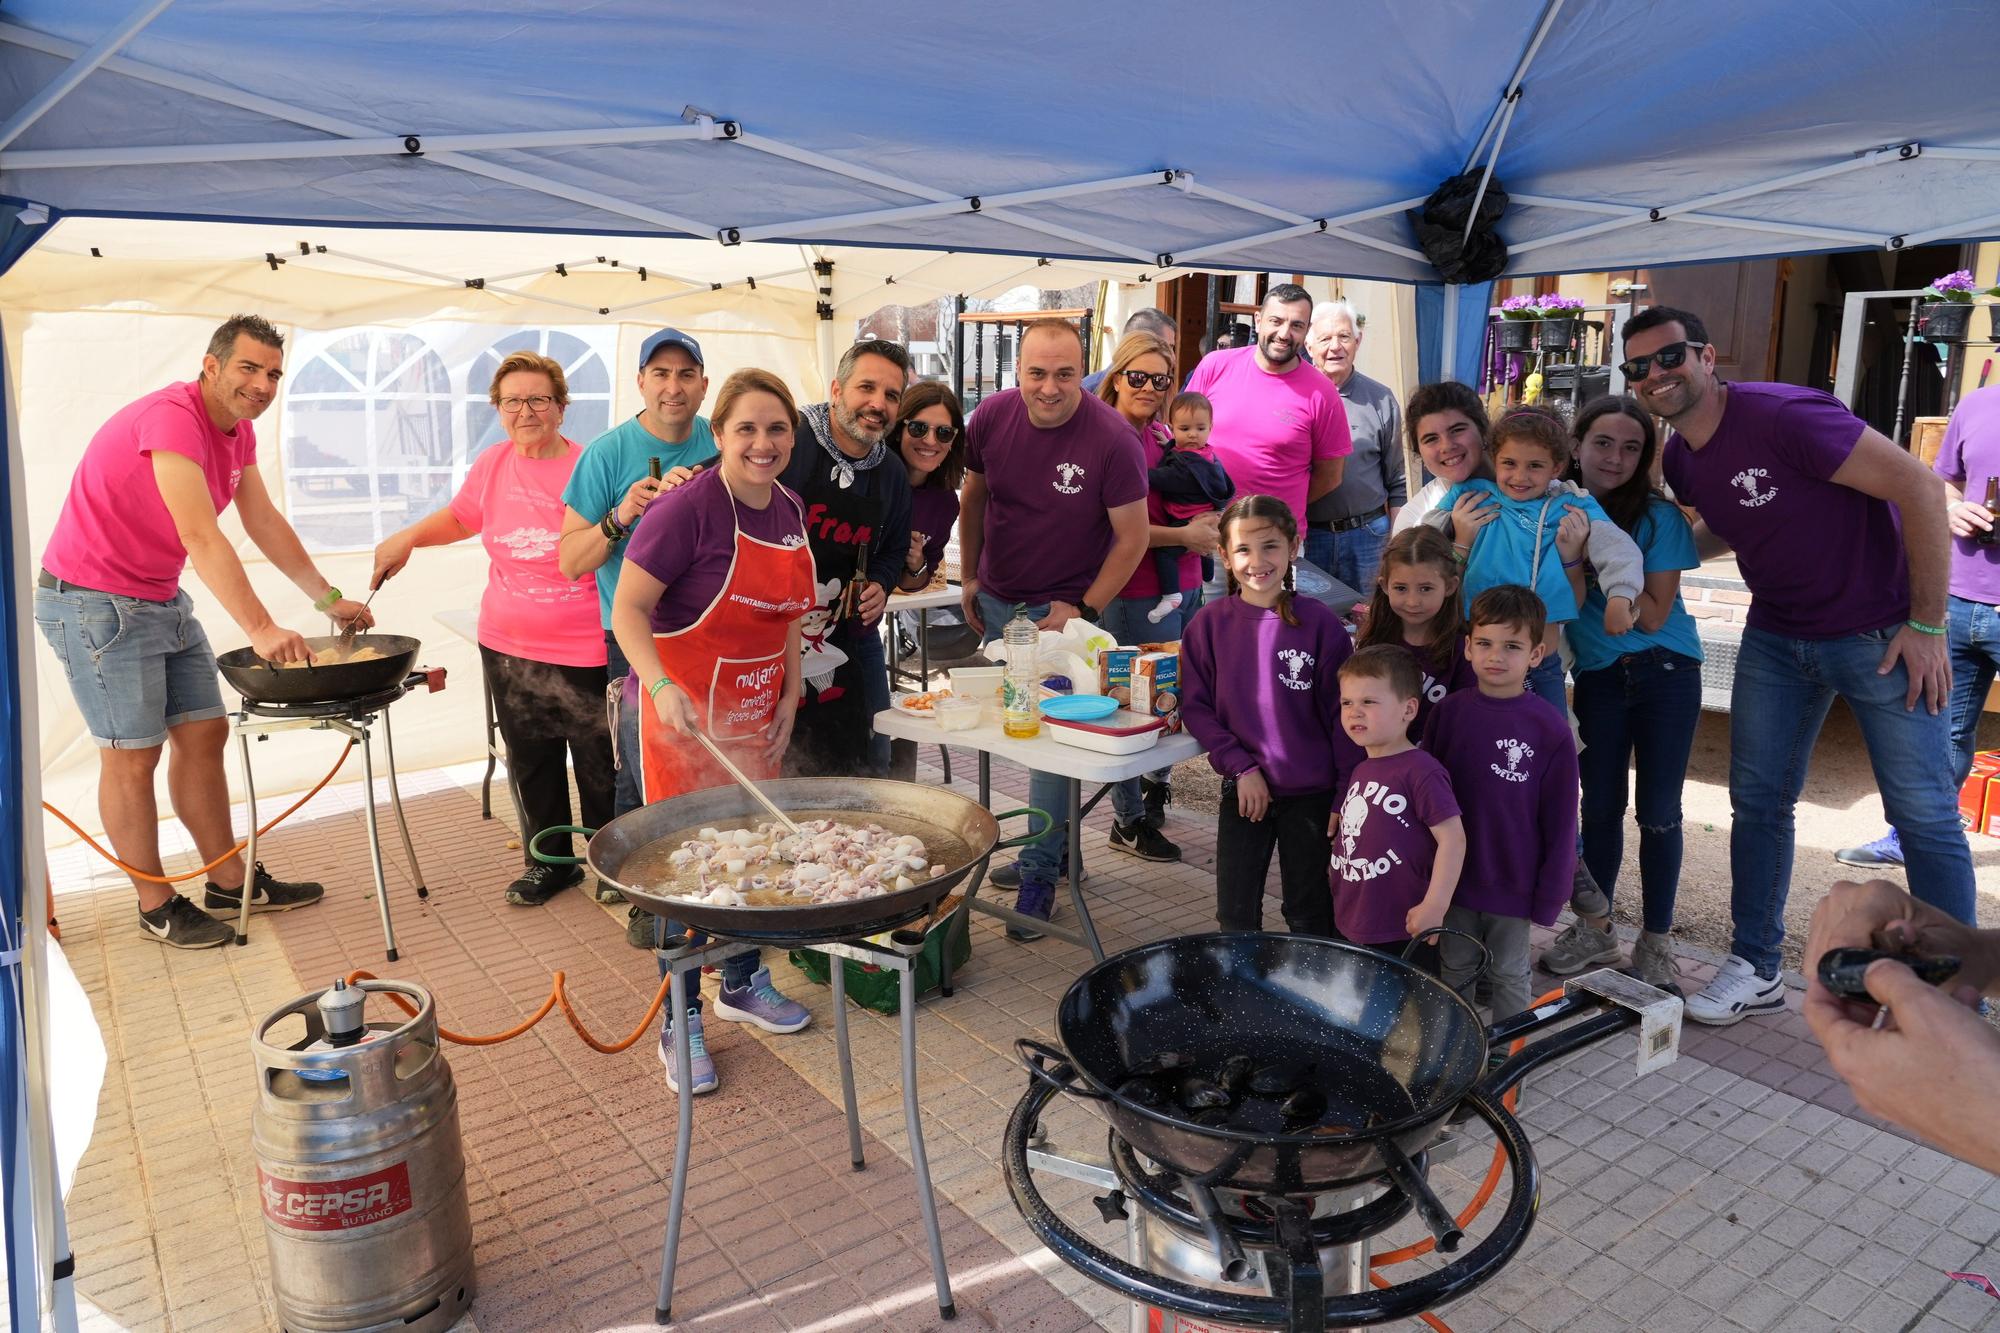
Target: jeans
{"x": 865, "y": 647}
{"x": 1546, "y": 680}
{"x": 1296, "y": 827}
{"x": 1125, "y": 620}
{"x": 1041, "y": 860}
{"x": 1644, "y": 706}
{"x": 1975, "y": 653}
{"x": 737, "y": 969}
{"x": 1506, "y": 941}
{"x": 1783, "y": 690}
{"x": 137, "y": 669}
{"x": 1354, "y": 556}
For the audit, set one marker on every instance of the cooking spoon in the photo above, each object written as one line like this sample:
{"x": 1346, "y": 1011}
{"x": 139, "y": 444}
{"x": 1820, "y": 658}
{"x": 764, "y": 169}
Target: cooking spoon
{"x": 744, "y": 782}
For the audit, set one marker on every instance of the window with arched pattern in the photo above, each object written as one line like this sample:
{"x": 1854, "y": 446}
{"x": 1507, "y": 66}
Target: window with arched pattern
{"x": 380, "y": 425}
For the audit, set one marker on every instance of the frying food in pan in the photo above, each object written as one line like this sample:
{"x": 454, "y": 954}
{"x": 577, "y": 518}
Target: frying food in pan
{"x": 334, "y": 655}
{"x": 825, "y": 862}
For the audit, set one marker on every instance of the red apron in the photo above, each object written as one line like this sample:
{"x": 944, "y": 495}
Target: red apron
{"x": 731, "y": 663}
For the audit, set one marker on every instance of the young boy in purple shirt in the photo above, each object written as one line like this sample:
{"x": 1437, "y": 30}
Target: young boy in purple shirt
{"x": 1513, "y": 770}
{"x": 1399, "y": 843}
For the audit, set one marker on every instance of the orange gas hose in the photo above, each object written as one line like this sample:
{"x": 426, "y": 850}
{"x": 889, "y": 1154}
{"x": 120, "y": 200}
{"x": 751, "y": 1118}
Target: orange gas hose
{"x": 290, "y": 810}
{"x": 557, "y": 995}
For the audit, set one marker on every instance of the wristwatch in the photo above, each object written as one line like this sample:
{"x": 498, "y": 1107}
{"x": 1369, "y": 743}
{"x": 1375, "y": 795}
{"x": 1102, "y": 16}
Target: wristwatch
{"x": 1088, "y": 612}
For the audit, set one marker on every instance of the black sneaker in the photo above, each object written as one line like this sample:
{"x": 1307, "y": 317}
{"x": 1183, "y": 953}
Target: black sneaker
{"x": 541, "y": 882}
{"x": 1157, "y": 796}
{"x": 641, "y": 928}
{"x": 179, "y": 924}
{"x": 1143, "y": 841}
{"x": 266, "y": 895}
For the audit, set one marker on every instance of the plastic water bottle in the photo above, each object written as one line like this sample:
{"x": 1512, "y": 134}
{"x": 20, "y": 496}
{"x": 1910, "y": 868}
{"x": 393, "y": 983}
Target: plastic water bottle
{"x": 1021, "y": 689}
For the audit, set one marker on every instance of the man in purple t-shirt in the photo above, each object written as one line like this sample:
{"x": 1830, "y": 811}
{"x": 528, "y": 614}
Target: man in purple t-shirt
{"x": 1053, "y": 518}
{"x": 1847, "y": 601}
{"x": 1968, "y": 460}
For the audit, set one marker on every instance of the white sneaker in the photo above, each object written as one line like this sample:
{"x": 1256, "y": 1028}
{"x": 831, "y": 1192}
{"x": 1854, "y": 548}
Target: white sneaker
{"x": 1736, "y": 993}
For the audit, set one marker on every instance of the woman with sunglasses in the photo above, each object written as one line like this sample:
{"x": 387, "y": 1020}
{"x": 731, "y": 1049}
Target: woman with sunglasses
{"x": 929, "y": 434}
{"x": 539, "y": 636}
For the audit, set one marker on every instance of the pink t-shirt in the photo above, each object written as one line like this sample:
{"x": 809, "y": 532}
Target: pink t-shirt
{"x": 115, "y": 534}
{"x": 1271, "y": 429}
{"x": 530, "y": 610}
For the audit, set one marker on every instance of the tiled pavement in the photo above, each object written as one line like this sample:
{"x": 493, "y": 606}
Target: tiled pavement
{"x": 1739, "y": 1189}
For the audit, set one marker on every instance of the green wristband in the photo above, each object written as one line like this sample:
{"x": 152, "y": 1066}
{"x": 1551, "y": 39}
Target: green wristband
{"x": 653, "y": 692}
{"x": 1935, "y": 631}
{"x": 327, "y": 599}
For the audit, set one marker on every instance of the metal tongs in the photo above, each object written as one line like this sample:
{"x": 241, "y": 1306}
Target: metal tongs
{"x": 352, "y": 627}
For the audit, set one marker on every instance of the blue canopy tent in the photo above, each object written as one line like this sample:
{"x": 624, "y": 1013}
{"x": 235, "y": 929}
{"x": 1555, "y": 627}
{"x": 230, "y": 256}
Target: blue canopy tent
{"x": 1275, "y": 137}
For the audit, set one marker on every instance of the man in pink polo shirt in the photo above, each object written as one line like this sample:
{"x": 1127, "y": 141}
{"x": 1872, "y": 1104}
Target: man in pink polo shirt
{"x": 1280, "y": 428}
{"x": 143, "y": 503}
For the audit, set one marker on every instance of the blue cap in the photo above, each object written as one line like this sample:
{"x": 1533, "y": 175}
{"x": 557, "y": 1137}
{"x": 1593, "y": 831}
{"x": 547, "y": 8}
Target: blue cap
{"x": 670, "y": 338}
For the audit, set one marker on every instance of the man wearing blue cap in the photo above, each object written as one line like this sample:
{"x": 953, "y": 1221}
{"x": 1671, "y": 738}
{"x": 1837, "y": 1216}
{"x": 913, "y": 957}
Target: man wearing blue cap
{"x": 609, "y": 492}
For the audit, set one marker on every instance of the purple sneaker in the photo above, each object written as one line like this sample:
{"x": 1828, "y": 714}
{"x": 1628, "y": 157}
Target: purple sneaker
{"x": 699, "y": 1063}
{"x": 1037, "y": 900}
{"x": 760, "y": 1003}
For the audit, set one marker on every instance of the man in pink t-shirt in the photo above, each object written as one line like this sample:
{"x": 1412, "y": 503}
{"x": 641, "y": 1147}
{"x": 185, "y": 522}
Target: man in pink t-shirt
{"x": 143, "y": 503}
{"x": 1280, "y": 427}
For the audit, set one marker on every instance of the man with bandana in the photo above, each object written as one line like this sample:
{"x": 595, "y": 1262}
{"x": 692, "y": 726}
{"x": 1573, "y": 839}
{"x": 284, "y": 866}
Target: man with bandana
{"x": 857, "y": 504}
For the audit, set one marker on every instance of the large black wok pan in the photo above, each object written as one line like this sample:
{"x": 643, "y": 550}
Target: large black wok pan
{"x": 1393, "y": 1050}
{"x": 960, "y": 834}
{"x": 264, "y": 682}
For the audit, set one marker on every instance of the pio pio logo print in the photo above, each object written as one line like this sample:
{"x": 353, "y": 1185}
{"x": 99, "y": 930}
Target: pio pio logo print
{"x": 336, "y": 1205}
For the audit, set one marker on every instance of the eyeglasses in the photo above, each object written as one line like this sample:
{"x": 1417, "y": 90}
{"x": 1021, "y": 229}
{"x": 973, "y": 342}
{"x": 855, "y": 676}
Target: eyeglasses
{"x": 1670, "y": 357}
{"x": 1139, "y": 379}
{"x": 918, "y": 430}
{"x": 541, "y": 402}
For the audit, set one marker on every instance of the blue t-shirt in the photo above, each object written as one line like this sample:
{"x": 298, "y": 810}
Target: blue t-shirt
{"x": 1667, "y": 542}
{"x": 1504, "y": 550}
{"x": 606, "y": 470}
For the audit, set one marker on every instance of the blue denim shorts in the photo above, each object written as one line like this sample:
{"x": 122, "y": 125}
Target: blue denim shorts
{"x": 137, "y": 669}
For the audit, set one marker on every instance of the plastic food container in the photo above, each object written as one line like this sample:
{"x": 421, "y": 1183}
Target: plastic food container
{"x": 958, "y": 713}
{"x": 976, "y": 681}
{"x": 1124, "y": 732}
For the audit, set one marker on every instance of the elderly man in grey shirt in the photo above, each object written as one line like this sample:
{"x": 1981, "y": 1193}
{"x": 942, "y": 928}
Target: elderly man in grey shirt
{"x": 1347, "y": 528}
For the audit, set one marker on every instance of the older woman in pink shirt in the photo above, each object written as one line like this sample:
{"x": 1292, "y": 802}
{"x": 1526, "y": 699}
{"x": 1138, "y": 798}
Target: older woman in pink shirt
{"x": 539, "y": 637}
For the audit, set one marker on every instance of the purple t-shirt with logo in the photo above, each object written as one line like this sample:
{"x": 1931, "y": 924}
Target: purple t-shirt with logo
{"x": 1823, "y": 561}
{"x": 1258, "y": 693}
{"x": 1383, "y": 849}
{"x": 1513, "y": 769}
{"x": 1969, "y": 456}
{"x": 1049, "y": 494}
{"x": 1460, "y": 677}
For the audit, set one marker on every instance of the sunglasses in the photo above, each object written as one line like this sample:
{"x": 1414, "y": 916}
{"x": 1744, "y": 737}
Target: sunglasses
{"x": 1670, "y": 357}
{"x": 918, "y": 430}
{"x": 1139, "y": 379}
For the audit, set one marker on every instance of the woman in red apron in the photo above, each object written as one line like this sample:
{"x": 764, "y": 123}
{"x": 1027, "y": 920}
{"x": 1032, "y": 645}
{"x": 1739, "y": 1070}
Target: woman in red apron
{"x": 717, "y": 578}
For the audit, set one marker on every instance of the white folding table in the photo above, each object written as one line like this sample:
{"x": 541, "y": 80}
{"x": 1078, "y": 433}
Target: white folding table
{"x": 1075, "y": 766}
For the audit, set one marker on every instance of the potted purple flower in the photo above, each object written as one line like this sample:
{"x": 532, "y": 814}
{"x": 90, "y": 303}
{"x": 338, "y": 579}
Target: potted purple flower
{"x": 1516, "y": 326}
{"x": 1560, "y": 314}
{"x": 1944, "y": 310}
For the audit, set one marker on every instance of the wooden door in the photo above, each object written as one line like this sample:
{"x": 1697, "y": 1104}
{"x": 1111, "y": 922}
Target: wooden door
{"x": 1739, "y": 303}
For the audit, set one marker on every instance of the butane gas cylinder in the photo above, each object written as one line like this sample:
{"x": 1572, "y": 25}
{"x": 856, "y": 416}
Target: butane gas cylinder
{"x": 360, "y": 1169}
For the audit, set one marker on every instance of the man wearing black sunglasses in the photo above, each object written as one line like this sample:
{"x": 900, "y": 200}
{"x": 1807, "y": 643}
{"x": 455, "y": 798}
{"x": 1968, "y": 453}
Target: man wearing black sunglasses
{"x": 1846, "y": 601}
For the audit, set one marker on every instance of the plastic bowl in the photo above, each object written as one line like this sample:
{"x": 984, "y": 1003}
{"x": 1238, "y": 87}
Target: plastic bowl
{"x": 1080, "y": 707}
{"x": 958, "y": 713}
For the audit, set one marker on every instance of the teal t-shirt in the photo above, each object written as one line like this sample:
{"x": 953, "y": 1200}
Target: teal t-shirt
{"x": 1504, "y": 551}
{"x": 606, "y": 470}
{"x": 1667, "y": 542}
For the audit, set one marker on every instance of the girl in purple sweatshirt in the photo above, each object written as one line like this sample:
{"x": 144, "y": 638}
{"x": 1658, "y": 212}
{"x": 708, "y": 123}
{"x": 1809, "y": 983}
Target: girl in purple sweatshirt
{"x": 1260, "y": 690}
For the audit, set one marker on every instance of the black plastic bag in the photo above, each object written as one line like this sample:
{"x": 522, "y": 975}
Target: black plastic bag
{"x": 1440, "y": 229}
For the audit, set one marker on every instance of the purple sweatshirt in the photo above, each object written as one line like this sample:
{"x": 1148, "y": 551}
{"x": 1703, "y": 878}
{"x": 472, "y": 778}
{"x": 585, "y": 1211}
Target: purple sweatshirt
{"x": 1513, "y": 769}
{"x": 1258, "y": 693}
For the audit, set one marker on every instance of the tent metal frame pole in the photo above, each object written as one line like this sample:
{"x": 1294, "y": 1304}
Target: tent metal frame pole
{"x": 1448, "y": 339}
{"x": 447, "y": 280}
{"x": 398, "y": 145}
{"x": 38, "y": 41}
{"x": 1970, "y": 227}
{"x": 1492, "y": 160}
{"x": 1908, "y": 152}
{"x": 1513, "y": 87}
{"x": 750, "y": 280}
{"x": 82, "y": 66}
{"x": 1637, "y": 213}
{"x": 947, "y": 207}
{"x": 1333, "y": 226}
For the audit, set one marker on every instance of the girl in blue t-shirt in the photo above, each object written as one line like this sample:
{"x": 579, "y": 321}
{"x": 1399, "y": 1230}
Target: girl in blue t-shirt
{"x": 1638, "y": 694}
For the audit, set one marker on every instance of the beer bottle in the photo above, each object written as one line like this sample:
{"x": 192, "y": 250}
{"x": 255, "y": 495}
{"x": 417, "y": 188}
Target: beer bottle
{"x": 1990, "y": 535}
